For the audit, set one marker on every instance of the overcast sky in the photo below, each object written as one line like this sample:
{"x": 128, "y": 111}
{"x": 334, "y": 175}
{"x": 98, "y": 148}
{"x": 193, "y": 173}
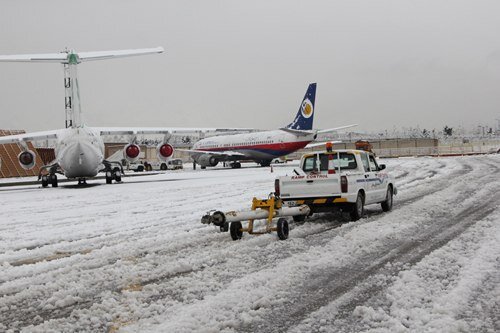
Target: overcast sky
{"x": 248, "y": 63}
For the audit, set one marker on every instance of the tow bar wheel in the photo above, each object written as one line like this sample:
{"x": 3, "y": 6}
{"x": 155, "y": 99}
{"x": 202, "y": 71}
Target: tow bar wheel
{"x": 224, "y": 227}
{"x": 235, "y": 230}
{"x": 282, "y": 228}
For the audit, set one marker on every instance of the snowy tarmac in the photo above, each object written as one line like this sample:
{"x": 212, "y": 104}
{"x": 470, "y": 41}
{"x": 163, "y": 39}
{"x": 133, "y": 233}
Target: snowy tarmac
{"x": 134, "y": 257}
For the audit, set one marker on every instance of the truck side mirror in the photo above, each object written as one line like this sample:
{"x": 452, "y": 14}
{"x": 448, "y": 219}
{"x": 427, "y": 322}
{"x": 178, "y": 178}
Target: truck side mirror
{"x": 381, "y": 166}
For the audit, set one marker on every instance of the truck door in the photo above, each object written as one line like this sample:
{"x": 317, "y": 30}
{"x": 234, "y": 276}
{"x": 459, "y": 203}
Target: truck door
{"x": 380, "y": 183}
{"x": 369, "y": 180}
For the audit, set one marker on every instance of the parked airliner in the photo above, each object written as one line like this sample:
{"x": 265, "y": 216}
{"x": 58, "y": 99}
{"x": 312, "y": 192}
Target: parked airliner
{"x": 262, "y": 147}
{"x": 79, "y": 149}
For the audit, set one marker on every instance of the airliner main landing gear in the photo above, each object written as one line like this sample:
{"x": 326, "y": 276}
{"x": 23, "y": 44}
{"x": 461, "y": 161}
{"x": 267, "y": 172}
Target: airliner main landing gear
{"x": 49, "y": 179}
{"x": 48, "y": 175}
{"x": 265, "y": 163}
{"x": 113, "y": 173}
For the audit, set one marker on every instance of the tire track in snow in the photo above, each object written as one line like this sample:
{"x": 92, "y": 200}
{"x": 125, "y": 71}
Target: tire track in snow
{"x": 261, "y": 264}
{"x": 322, "y": 238}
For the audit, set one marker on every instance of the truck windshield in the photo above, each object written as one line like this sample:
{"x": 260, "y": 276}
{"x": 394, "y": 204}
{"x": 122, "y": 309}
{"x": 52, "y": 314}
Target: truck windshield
{"x": 347, "y": 161}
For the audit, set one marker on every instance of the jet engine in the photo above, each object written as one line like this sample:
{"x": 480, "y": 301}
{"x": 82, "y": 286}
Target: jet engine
{"x": 27, "y": 159}
{"x": 207, "y": 160}
{"x": 131, "y": 152}
{"x": 164, "y": 151}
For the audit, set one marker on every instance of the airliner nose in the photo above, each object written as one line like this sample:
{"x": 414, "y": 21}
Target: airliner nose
{"x": 80, "y": 160}
{"x": 80, "y": 152}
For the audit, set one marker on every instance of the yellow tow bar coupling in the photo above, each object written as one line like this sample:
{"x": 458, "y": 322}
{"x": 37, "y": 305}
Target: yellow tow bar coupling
{"x": 271, "y": 205}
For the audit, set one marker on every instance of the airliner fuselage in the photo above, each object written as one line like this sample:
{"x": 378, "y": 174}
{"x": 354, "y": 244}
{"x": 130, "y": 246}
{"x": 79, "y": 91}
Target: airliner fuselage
{"x": 263, "y": 146}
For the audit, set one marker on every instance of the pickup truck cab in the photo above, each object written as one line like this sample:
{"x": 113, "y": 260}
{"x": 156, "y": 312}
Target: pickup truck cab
{"x": 340, "y": 179}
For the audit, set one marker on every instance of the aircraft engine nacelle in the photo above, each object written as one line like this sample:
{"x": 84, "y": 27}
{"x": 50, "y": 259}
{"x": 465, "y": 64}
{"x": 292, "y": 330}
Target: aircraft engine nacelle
{"x": 207, "y": 160}
{"x": 164, "y": 151}
{"x": 27, "y": 159}
{"x": 131, "y": 152}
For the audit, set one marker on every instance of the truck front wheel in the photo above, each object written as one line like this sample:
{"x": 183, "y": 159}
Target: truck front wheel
{"x": 358, "y": 209}
{"x": 299, "y": 218}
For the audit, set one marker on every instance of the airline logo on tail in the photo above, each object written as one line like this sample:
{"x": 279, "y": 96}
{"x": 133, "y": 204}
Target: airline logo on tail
{"x": 304, "y": 118}
{"x": 307, "y": 108}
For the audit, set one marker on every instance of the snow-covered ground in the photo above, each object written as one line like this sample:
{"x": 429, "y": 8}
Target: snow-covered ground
{"x": 134, "y": 257}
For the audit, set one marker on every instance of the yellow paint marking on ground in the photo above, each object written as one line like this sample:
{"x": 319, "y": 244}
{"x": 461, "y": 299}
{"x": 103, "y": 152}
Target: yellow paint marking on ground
{"x": 117, "y": 324}
{"x": 340, "y": 200}
{"x": 133, "y": 287}
{"x": 55, "y": 256}
{"x": 131, "y": 259}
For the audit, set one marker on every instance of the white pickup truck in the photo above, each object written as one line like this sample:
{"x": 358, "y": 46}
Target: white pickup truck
{"x": 339, "y": 179}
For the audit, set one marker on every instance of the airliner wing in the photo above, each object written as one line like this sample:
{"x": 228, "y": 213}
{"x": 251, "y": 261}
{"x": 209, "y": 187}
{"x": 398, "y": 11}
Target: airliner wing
{"x": 305, "y": 132}
{"x": 162, "y": 130}
{"x": 29, "y": 137}
{"x": 63, "y": 57}
{"x": 317, "y": 144}
{"x": 99, "y": 55}
{"x": 213, "y": 152}
{"x": 296, "y": 131}
{"x": 335, "y": 129}
{"x": 44, "y": 57}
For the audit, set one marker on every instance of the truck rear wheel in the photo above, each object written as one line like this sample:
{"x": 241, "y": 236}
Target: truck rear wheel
{"x": 224, "y": 227}
{"x": 357, "y": 208}
{"x": 387, "y": 204}
{"x": 282, "y": 228}
{"x": 299, "y": 218}
{"x": 235, "y": 230}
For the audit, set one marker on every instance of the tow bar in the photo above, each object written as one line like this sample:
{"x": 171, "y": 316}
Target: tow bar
{"x": 267, "y": 209}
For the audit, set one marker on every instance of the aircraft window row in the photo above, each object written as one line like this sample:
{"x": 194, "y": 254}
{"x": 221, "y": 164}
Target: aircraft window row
{"x": 239, "y": 144}
{"x": 249, "y": 143}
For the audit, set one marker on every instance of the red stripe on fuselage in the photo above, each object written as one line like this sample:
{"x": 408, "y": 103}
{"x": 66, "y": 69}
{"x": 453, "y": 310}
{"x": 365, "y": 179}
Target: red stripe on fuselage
{"x": 287, "y": 147}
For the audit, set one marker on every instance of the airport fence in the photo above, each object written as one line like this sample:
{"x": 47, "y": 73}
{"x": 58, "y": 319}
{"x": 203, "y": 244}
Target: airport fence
{"x": 437, "y": 151}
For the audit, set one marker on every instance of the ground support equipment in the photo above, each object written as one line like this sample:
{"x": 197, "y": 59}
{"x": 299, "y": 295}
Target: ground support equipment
{"x": 266, "y": 209}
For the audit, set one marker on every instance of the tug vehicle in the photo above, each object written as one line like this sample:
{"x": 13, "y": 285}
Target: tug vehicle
{"x": 345, "y": 179}
{"x": 364, "y": 145}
